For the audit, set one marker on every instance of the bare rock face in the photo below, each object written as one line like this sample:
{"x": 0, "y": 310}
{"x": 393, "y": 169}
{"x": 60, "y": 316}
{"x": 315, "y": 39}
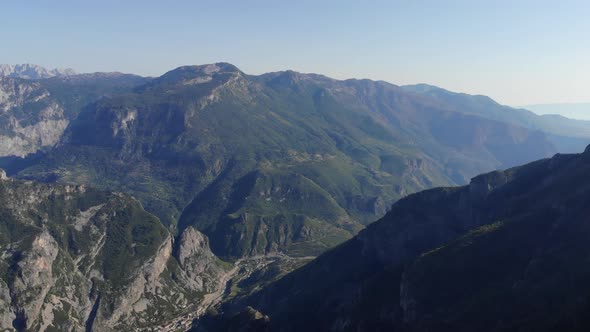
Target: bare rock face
{"x": 153, "y": 297}
{"x": 75, "y": 259}
{"x": 146, "y": 283}
{"x": 7, "y": 315}
{"x": 30, "y": 71}
{"x": 32, "y": 118}
{"x": 197, "y": 261}
{"x": 34, "y": 278}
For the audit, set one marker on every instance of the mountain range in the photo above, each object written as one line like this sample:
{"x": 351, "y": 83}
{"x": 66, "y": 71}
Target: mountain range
{"x": 281, "y": 162}
{"x": 572, "y": 110}
{"x": 149, "y": 200}
{"x": 31, "y": 71}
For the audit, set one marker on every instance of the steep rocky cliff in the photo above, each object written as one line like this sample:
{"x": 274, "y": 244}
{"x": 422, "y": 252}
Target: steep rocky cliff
{"x": 30, "y": 118}
{"x": 31, "y": 71}
{"x": 73, "y": 259}
{"x": 35, "y": 113}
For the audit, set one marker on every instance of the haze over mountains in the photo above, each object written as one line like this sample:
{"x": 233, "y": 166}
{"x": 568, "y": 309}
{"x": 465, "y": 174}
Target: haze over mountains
{"x": 31, "y": 71}
{"x": 211, "y": 184}
{"x": 571, "y": 110}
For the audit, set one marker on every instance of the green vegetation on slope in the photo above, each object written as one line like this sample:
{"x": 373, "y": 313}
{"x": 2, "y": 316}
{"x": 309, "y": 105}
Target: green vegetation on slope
{"x": 279, "y": 162}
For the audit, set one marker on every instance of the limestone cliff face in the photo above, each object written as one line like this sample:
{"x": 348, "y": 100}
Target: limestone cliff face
{"x": 7, "y": 315}
{"x": 73, "y": 258}
{"x": 31, "y": 118}
{"x": 197, "y": 261}
{"x": 34, "y": 277}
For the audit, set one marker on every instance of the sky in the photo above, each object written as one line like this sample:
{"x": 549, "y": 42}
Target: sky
{"x": 517, "y": 52}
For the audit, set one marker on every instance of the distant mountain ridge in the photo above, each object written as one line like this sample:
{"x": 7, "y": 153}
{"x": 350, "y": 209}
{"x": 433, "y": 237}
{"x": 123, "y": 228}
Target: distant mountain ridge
{"x": 579, "y": 111}
{"x": 31, "y": 71}
{"x": 568, "y": 135}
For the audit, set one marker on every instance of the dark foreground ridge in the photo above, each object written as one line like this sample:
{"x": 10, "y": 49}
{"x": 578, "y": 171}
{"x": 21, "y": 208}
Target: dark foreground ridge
{"x": 507, "y": 252}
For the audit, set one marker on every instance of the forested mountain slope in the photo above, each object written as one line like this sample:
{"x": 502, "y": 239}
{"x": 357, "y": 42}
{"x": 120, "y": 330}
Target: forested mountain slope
{"x": 284, "y": 161}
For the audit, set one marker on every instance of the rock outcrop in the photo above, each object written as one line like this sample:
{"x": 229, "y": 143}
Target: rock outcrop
{"x": 30, "y": 71}
{"x": 31, "y": 118}
{"x": 73, "y": 258}
{"x": 197, "y": 261}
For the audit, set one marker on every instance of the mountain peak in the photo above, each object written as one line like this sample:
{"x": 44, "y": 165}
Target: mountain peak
{"x": 31, "y": 71}
{"x": 206, "y": 69}
{"x": 196, "y": 74}
{"x": 421, "y": 88}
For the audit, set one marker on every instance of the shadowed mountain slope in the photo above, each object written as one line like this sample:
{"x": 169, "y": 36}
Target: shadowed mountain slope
{"x": 507, "y": 252}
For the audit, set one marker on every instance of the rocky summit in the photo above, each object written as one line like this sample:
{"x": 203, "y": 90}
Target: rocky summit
{"x": 30, "y": 71}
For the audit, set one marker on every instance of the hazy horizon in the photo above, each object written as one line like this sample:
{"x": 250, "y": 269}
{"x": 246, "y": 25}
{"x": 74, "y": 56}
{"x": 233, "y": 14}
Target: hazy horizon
{"x": 578, "y": 111}
{"x": 528, "y": 53}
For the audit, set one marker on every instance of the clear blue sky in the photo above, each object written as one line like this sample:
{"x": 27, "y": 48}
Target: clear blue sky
{"x": 518, "y": 52}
